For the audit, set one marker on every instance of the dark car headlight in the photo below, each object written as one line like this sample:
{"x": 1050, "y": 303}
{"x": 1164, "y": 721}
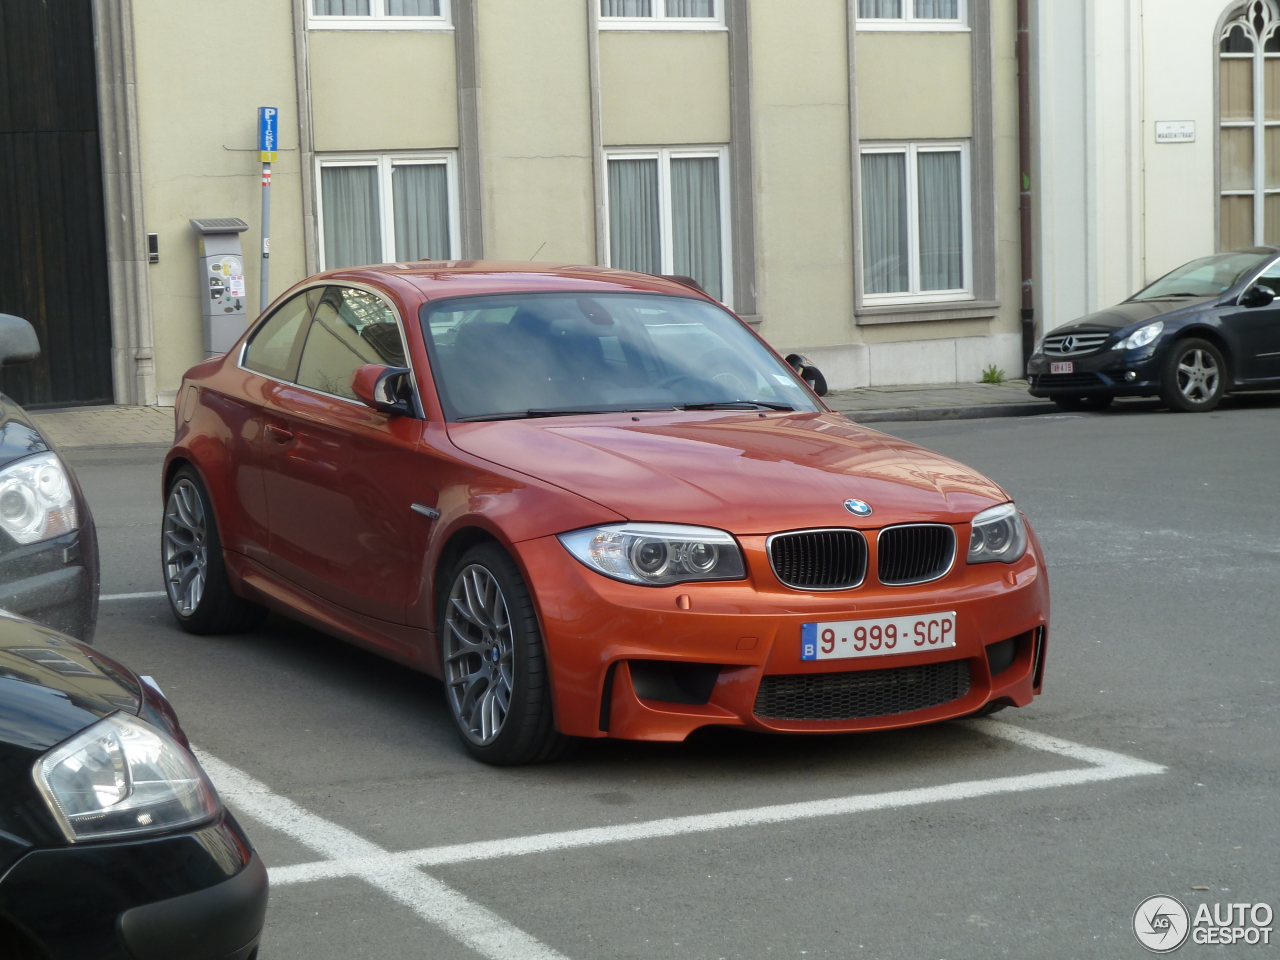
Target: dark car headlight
{"x": 998, "y": 534}
{"x": 36, "y": 499}
{"x": 1143, "y": 336}
{"x": 122, "y": 777}
{"x": 657, "y": 554}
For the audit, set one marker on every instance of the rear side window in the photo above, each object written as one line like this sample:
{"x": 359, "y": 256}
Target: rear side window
{"x": 350, "y": 328}
{"x": 273, "y": 351}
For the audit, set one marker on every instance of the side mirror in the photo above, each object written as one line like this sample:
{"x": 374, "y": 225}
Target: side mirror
{"x": 386, "y": 389}
{"x": 809, "y": 373}
{"x": 1257, "y": 296}
{"x": 18, "y": 341}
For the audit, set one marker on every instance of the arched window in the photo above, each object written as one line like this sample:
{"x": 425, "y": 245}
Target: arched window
{"x": 1249, "y": 126}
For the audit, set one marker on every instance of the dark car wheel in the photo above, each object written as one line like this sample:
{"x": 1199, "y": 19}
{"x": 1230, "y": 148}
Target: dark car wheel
{"x": 495, "y": 668}
{"x": 1193, "y": 378}
{"x": 195, "y": 575}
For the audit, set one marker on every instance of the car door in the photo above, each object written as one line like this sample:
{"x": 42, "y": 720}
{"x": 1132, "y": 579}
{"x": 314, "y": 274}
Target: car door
{"x": 341, "y": 478}
{"x": 270, "y": 356}
{"x": 1256, "y": 331}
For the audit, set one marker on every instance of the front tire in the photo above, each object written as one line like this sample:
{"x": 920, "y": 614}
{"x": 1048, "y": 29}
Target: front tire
{"x": 496, "y": 679}
{"x": 1193, "y": 378}
{"x": 195, "y": 575}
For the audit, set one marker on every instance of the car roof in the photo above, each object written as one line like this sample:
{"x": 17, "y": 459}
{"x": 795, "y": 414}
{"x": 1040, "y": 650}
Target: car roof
{"x": 435, "y": 279}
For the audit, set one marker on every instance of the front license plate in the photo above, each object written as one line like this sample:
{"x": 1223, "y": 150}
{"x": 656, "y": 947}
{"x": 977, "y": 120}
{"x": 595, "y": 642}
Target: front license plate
{"x": 1066, "y": 366}
{"x": 843, "y": 639}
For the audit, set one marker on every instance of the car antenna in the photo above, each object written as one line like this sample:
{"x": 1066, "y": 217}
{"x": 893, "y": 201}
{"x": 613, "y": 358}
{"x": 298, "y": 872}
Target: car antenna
{"x": 539, "y": 250}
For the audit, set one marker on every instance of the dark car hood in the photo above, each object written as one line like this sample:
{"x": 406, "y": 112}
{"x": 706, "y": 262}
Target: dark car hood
{"x": 52, "y": 687}
{"x": 18, "y": 435}
{"x": 1132, "y": 311}
{"x": 743, "y": 473}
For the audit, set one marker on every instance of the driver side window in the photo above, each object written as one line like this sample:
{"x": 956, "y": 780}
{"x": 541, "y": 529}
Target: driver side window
{"x": 1270, "y": 278}
{"x": 350, "y": 328}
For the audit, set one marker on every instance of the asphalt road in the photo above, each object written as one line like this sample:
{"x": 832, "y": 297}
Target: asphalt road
{"x": 1163, "y": 538}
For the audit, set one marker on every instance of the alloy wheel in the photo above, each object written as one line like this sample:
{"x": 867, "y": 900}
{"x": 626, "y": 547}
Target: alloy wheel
{"x": 1198, "y": 375}
{"x": 186, "y": 552}
{"x": 478, "y": 654}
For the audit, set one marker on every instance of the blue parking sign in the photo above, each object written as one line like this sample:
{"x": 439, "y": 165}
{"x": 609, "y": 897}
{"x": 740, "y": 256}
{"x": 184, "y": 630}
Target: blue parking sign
{"x": 268, "y": 133}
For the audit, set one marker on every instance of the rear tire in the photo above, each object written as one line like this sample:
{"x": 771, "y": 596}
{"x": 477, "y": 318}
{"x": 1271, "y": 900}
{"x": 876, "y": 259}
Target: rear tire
{"x": 1193, "y": 377}
{"x": 497, "y": 683}
{"x": 195, "y": 574}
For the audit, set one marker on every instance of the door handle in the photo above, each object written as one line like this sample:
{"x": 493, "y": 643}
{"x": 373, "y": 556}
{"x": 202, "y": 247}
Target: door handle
{"x": 278, "y": 434}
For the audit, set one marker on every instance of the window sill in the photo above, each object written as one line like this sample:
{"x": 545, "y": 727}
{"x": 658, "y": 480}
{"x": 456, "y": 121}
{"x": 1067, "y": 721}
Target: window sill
{"x": 386, "y": 24}
{"x": 911, "y": 26}
{"x": 664, "y": 26}
{"x": 923, "y": 312}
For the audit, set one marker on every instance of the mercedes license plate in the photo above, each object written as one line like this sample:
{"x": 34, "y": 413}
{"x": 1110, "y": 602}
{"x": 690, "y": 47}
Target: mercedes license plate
{"x": 1066, "y": 366}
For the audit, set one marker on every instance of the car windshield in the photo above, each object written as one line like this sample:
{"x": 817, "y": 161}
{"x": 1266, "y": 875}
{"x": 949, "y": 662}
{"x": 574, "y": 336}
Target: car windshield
{"x": 529, "y": 355}
{"x": 1206, "y": 277}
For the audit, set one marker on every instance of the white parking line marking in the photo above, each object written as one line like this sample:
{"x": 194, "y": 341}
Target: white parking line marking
{"x": 346, "y": 854}
{"x": 149, "y": 595}
{"x": 480, "y": 929}
{"x": 1103, "y": 765}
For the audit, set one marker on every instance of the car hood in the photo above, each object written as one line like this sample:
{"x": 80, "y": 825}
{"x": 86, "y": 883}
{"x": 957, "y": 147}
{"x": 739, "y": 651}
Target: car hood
{"x": 1130, "y": 312}
{"x": 18, "y": 435}
{"x": 52, "y": 687}
{"x": 748, "y": 474}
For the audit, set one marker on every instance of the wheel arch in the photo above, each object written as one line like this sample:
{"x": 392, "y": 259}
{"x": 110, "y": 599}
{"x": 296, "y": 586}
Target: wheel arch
{"x": 1212, "y": 336}
{"x": 459, "y": 542}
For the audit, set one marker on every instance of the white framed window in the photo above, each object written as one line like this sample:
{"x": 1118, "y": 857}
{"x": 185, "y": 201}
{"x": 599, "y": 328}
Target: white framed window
{"x": 1249, "y": 126}
{"x": 668, "y": 213}
{"x": 916, "y": 223}
{"x": 931, "y": 15}
{"x": 386, "y": 208}
{"x": 379, "y": 15}
{"x": 662, "y": 14}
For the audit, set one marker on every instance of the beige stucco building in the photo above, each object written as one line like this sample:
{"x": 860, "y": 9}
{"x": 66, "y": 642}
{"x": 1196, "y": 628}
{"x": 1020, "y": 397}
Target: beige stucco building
{"x": 842, "y": 173}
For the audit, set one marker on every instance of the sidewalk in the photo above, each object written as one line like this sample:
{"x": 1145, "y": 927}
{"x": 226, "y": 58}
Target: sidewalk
{"x": 938, "y": 401}
{"x": 106, "y": 426}
{"x": 110, "y": 426}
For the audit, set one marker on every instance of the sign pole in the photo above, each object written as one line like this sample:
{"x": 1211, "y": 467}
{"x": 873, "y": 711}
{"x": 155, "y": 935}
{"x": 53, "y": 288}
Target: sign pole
{"x": 268, "y": 142}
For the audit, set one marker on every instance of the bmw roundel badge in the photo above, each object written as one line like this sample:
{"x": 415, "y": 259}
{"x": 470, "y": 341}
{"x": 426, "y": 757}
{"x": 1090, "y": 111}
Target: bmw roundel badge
{"x": 859, "y": 508}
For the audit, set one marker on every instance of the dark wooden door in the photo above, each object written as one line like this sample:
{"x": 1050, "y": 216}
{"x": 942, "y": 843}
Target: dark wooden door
{"x": 53, "y": 249}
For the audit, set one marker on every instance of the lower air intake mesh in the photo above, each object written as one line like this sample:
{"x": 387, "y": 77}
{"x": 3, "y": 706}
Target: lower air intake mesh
{"x": 861, "y": 693}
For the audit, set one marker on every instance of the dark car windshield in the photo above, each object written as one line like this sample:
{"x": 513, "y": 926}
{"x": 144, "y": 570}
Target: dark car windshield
{"x": 1206, "y": 277}
{"x": 547, "y": 354}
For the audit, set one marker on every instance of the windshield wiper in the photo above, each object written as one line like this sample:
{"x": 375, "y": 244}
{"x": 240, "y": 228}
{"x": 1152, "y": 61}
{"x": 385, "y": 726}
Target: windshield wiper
{"x": 735, "y": 405}
{"x": 559, "y": 412}
{"x": 1183, "y": 293}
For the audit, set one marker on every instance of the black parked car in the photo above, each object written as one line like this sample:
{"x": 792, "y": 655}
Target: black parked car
{"x": 113, "y": 843}
{"x": 48, "y": 544}
{"x": 1207, "y": 328}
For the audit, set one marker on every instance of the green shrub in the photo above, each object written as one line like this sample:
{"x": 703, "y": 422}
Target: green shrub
{"x": 993, "y": 374}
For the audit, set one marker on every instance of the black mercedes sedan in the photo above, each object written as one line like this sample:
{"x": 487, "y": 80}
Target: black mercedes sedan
{"x": 48, "y": 543}
{"x": 1210, "y": 327}
{"x": 113, "y": 842}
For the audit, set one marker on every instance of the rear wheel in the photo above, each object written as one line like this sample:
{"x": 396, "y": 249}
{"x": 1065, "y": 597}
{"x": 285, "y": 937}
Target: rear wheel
{"x": 1193, "y": 378}
{"x": 195, "y": 575}
{"x": 495, "y": 668}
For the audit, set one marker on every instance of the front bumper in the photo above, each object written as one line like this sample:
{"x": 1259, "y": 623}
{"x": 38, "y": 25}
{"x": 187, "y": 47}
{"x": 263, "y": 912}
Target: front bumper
{"x": 727, "y": 637}
{"x": 54, "y": 582}
{"x": 199, "y": 896}
{"x": 1105, "y": 373}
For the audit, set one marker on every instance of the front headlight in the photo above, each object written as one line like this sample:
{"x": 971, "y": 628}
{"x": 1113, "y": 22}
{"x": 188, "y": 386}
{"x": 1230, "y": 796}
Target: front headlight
{"x": 1142, "y": 336}
{"x": 122, "y": 777}
{"x": 998, "y": 534}
{"x": 36, "y": 499}
{"x": 657, "y": 554}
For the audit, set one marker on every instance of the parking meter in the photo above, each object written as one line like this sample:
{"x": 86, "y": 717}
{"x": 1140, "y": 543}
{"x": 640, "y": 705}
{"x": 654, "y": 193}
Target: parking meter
{"x": 222, "y": 291}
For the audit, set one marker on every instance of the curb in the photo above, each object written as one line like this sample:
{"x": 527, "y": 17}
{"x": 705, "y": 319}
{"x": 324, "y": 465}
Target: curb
{"x": 979, "y": 412}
